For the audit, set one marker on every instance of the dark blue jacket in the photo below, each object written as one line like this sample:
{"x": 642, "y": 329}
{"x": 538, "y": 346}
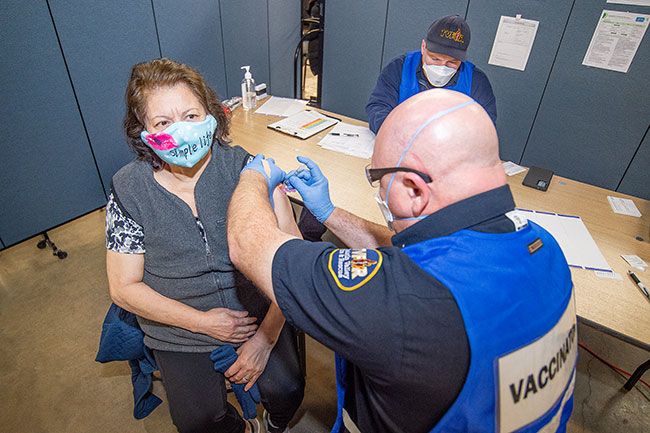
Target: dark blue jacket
{"x": 122, "y": 340}
{"x": 385, "y": 96}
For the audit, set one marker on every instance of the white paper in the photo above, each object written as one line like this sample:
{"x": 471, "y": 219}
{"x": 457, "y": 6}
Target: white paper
{"x": 350, "y": 139}
{"x": 576, "y": 242}
{"x": 615, "y": 40}
{"x": 304, "y": 124}
{"x": 513, "y": 42}
{"x": 635, "y": 261}
{"x": 511, "y": 168}
{"x": 623, "y": 206}
{"x": 609, "y": 275}
{"x": 284, "y": 107}
{"x": 631, "y": 2}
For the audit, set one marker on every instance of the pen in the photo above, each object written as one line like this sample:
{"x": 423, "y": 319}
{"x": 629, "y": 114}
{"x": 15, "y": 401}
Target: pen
{"x": 344, "y": 134}
{"x": 639, "y": 284}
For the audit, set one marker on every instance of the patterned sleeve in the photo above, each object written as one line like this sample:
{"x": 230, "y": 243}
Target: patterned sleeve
{"x": 123, "y": 234}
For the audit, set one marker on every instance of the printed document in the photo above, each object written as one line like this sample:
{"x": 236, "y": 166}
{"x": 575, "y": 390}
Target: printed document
{"x": 615, "y": 40}
{"x": 513, "y": 42}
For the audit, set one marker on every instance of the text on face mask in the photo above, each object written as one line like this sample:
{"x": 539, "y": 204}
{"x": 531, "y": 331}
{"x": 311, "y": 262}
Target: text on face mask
{"x": 192, "y": 148}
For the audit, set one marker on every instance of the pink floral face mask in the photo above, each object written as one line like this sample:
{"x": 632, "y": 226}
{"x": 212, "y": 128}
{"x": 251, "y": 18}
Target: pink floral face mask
{"x": 182, "y": 143}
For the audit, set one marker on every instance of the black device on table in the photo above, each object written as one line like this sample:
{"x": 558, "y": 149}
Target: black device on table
{"x": 538, "y": 178}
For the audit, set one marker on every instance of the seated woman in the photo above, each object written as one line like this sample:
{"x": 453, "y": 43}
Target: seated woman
{"x": 168, "y": 262}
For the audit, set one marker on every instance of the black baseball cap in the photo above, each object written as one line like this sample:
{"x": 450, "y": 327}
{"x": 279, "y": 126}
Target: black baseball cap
{"x": 449, "y": 35}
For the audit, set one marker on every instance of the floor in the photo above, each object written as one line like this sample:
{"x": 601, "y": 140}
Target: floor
{"x": 310, "y": 84}
{"x": 50, "y": 316}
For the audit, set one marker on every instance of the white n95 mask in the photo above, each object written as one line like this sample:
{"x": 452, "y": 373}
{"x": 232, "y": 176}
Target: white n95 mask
{"x": 438, "y": 76}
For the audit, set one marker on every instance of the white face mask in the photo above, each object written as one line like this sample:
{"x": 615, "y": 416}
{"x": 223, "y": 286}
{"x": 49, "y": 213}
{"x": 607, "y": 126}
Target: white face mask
{"x": 438, "y": 76}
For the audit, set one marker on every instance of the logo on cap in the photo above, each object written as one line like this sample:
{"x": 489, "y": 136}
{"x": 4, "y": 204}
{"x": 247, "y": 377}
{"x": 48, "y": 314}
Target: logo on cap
{"x": 456, "y": 36}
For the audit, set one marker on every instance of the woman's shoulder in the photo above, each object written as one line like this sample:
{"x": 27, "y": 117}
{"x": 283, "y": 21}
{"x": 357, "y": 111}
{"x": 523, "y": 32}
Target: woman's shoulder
{"x": 231, "y": 156}
{"x": 131, "y": 173}
{"x": 229, "y": 151}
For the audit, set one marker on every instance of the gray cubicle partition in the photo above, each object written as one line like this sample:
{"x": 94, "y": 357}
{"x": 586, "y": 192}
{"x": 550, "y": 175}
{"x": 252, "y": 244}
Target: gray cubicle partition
{"x": 47, "y": 173}
{"x": 518, "y": 93}
{"x": 636, "y": 180}
{"x": 245, "y": 40}
{"x": 353, "y": 44}
{"x": 591, "y": 121}
{"x": 101, "y": 41}
{"x": 407, "y": 23}
{"x": 192, "y": 35}
{"x": 582, "y": 122}
{"x": 64, "y": 70}
{"x": 203, "y": 36}
{"x": 284, "y": 34}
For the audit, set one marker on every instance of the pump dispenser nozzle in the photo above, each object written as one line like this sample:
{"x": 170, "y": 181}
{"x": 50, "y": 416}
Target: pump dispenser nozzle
{"x": 248, "y": 72}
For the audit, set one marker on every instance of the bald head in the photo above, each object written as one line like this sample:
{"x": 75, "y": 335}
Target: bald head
{"x": 459, "y": 150}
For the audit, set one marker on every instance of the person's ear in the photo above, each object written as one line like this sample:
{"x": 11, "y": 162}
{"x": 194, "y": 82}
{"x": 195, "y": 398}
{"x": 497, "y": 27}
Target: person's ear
{"x": 418, "y": 192}
{"x": 423, "y": 47}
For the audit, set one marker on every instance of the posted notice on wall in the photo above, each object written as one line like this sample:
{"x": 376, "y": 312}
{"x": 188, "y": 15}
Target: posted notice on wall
{"x": 616, "y": 40}
{"x": 513, "y": 42}
{"x": 631, "y": 2}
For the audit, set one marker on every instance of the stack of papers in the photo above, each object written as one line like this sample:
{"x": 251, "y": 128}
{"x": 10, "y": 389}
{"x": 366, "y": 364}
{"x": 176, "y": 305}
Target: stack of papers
{"x": 350, "y": 139}
{"x": 635, "y": 261}
{"x": 283, "y": 107}
{"x": 576, "y": 242}
{"x": 511, "y": 168}
{"x": 623, "y": 206}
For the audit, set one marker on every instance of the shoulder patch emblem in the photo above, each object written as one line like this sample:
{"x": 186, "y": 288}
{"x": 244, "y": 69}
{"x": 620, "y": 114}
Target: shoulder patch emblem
{"x": 352, "y": 269}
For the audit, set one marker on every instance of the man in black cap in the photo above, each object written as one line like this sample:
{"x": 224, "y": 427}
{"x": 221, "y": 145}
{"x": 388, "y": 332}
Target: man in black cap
{"x": 441, "y": 63}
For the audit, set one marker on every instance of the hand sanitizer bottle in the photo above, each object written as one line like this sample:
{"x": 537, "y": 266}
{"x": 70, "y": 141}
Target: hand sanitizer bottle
{"x": 248, "y": 95}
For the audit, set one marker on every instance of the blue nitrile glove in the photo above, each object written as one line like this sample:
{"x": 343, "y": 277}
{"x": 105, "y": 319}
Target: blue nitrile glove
{"x": 225, "y": 356}
{"x": 273, "y": 179}
{"x": 313, "y": 186}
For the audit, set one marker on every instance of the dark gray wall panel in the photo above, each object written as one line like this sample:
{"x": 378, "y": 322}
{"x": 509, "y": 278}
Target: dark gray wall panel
{"x": 591, "y": 120}
{"x": 409, "y": 20}
{"x": 192, "y": 34}
{"x": 2, "y": 245}
{"x": 352, "y": 54}
{"x": 101, "y": 42}
{"x": 637, "y": 178}
{"x": 246, "y": 41}
{"x": 284, "y": 34}
{"x": 47, "y": 171}
{"x": 518, "y": 93}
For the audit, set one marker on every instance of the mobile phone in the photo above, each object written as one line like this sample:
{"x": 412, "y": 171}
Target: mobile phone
{"x": 538, "y": 178}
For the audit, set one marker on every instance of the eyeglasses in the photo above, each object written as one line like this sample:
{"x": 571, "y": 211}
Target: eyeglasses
{"x": 374, "y": 175}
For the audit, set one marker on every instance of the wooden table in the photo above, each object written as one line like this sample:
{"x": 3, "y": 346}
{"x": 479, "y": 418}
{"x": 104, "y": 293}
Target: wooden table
{"x": 615, "y": 307}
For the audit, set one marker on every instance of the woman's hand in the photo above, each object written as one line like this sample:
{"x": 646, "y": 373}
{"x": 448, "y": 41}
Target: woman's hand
{"x": 253, "y": 356}
{"x": 227, "y": 325}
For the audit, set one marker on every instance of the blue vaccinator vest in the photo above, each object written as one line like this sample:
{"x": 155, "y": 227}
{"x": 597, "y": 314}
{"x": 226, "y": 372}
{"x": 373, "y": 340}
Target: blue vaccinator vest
{"x": 515, "y": 294}
{"x": 409, "y": 85}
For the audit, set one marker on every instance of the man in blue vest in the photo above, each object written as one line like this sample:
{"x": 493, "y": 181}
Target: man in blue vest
{"x": 440, "y": 63}
{"x": 462, "y": 321}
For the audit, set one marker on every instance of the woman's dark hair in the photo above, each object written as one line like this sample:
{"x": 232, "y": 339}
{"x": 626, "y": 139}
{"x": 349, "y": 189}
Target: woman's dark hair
{"x": 148, "y": 76}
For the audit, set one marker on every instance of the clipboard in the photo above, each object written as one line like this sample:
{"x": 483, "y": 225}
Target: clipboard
{"x": 304, "y": 124}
